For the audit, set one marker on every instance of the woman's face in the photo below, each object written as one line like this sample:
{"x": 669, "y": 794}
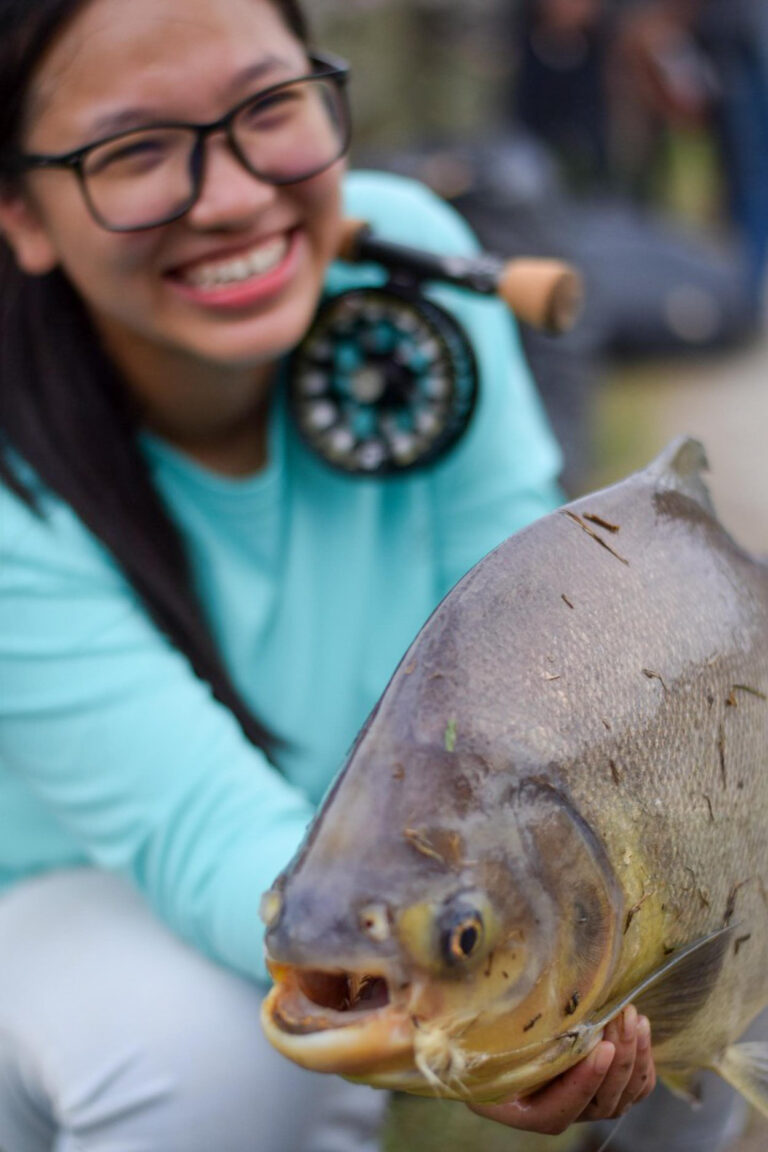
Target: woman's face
{"x": 125, "y": 64}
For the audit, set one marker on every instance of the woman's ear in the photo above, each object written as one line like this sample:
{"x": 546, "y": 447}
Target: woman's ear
{"x": 24, "y": 231}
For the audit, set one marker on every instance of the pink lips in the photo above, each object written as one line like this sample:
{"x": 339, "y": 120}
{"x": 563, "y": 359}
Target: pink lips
{"x": 257, "y": 289}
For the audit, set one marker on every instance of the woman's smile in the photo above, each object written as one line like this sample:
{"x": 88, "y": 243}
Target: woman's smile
{"x": 251, "y": 275}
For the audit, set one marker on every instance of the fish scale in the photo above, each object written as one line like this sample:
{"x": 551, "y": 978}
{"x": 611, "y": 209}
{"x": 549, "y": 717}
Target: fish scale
{"x": 560, "y": 804}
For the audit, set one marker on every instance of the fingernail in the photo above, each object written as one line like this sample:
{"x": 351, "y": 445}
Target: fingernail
{"x": 629, "y": 1023}
{"x": 643, "y": 1033}
{"x": 603, "y": 1058}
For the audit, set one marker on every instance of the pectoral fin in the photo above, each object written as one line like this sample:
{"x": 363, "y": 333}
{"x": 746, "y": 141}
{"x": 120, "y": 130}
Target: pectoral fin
{"x": 675, "y": 992}
{"x": 745, "y": 1068}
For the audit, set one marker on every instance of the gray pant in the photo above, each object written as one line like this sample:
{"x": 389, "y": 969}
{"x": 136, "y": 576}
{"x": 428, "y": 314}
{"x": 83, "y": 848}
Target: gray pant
{"x": 116, "y": 1037}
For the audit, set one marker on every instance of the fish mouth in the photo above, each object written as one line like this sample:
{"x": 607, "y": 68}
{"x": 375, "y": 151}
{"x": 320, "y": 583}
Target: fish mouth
{"x": 337, "y": 996}
{"x": 363, "y": 1026}
{"x": 336, "y": 1021}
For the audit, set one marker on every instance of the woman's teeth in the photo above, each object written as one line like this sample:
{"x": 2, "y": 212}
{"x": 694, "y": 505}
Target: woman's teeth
{"x": 233, "y": 271}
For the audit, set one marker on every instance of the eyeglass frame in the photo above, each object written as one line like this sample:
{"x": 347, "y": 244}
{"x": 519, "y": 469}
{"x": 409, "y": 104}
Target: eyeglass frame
{"x": 326, "y": 67}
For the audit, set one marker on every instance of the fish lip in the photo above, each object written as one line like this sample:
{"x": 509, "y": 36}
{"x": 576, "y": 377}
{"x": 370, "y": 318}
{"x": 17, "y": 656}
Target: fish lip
{"x": 325, "y": 1039}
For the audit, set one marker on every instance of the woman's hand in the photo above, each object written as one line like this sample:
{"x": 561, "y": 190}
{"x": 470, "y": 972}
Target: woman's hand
{"x": 616, "y": 1075}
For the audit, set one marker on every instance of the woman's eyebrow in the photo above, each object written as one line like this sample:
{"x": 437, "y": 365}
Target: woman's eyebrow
{"x": 126, "y": 118}
{"x": 138, "y": 117}
{"x": 261, "y": 71}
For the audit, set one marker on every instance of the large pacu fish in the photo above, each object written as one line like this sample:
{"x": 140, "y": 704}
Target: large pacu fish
{"x": 559, "y": 806}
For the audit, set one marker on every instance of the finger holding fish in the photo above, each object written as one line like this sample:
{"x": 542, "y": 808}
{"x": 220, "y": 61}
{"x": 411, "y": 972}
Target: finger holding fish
{"x": 553, "y": 1108}
{"x": 643, "y": 1078}
{"x": 631, "y": 1076}
{"x": 616, "y": 1075}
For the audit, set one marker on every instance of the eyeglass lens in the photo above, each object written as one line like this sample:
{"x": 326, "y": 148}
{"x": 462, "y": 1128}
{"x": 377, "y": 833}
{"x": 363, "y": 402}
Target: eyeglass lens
{"x": 147, "y": 177}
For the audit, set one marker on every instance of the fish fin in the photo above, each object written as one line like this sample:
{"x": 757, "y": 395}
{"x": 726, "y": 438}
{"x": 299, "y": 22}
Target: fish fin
{"x": 675, "y": 992}
{"x": 745, "y": 1068}
{"x": 680, "y": 467}
{"x": 683, "y": 1082}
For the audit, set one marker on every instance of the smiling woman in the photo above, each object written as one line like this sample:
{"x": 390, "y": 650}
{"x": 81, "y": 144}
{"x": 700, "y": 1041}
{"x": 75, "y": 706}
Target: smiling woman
{"x": 195, "y": 615}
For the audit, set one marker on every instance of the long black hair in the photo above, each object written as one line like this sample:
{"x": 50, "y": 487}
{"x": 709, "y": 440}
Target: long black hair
{"x": 64, "y": 409}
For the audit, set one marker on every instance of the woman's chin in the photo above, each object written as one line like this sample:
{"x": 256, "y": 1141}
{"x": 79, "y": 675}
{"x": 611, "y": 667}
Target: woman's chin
{"x": 244, "y": 344}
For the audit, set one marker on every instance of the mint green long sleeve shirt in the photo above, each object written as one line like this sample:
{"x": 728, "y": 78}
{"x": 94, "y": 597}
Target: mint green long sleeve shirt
{"x": 114, "y": 754}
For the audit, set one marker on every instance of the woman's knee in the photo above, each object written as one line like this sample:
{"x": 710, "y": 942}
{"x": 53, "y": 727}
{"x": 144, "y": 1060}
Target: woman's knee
{"x": 26, "y": 1122}
{"x": 138, "y": 1041}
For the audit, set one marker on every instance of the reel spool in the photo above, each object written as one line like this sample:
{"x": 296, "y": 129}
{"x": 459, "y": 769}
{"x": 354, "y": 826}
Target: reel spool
{"x": 386, "y": 381}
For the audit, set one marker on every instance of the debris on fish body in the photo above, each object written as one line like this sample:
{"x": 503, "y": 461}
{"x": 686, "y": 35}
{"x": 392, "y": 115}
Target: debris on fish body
{"x": 557, "y": 807}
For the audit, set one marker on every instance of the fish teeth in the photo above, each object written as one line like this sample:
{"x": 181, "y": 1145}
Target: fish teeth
{"x": 355, "y": 985}
{"x": 254, "y": 263}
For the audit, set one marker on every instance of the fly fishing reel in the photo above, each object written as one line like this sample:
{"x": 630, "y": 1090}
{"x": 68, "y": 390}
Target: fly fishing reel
{"x": 386, "y": 381}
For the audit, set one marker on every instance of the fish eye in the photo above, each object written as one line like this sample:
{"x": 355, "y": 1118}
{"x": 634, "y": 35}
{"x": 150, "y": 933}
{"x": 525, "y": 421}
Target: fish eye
{"x": 450, "y": 938}
{"x": 462, "y": 931}
{"x": 464, "y": 939}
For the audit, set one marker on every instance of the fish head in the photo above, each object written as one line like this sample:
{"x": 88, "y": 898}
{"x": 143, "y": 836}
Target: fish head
{"x": 424, "y": 939}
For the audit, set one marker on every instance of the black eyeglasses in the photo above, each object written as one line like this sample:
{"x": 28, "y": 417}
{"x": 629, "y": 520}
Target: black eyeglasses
{"x": 145, "y": 177}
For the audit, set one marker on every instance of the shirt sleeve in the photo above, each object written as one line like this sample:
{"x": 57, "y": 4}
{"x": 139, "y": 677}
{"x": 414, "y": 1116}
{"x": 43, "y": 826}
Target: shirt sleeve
{"x": 503, "y": 473}
{"x": 110, "y": 729}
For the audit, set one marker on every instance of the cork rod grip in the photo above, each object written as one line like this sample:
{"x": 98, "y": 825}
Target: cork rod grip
{"x": 546, "y": 294}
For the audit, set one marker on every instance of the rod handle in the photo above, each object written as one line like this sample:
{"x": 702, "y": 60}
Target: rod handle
{"x": 547, "y": 294}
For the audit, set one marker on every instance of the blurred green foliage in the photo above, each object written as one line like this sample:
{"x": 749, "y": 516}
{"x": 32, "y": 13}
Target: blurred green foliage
{"x": 421, "y": 68}
{"x": 420, "y": 1125}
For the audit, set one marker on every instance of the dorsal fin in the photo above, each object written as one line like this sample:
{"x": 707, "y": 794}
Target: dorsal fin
{"x": 679, "y": 468}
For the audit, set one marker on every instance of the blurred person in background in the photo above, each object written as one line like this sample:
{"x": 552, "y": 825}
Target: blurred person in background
{"x": 559, "y": 85}
{"x": 600, "y": 79}
{"x": 196, "y": 614}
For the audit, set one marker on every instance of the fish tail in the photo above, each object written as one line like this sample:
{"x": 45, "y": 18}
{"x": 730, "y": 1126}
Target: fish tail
{"x": 745, "y": 1068}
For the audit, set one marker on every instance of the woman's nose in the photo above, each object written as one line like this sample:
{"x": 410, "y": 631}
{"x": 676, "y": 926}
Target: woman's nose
{"x": 230, "y": 195}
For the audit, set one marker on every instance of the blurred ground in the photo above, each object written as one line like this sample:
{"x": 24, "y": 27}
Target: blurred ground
{"x": 723, "y": 400}
{"x": 427, "y": 1126}
{"x": 756, "y": 1139}
{"x": 439, "y": 1126}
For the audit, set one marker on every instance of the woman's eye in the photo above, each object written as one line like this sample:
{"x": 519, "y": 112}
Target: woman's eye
{"x": 135, "y": 154}
{"x": 271, "y": 107}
